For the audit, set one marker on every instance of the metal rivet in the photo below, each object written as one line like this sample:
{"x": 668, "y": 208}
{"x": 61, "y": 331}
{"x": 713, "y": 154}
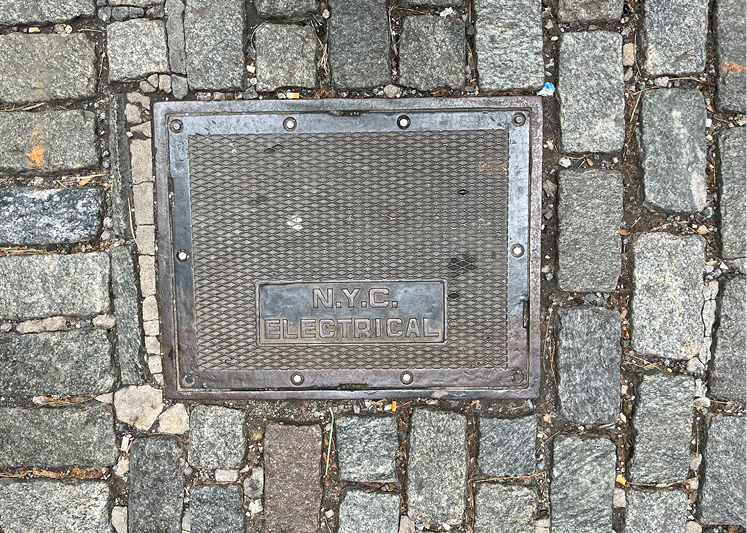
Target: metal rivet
{"x": 290, "y": 124}
{"x": 403, "y": 122}
{"x": 517, "y": 376}
{"x": 297, "y": 378}
{"x": 176, "y": 126}
{"x": 182, "y": 255}
{"x": 519, "y": 119}
{"x": 517, "y": 250}
{"x": 406, "y": 377}
{"x": 188, "y": 380}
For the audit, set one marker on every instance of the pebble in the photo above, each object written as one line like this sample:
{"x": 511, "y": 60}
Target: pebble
{"x": 392, "y": 91}
{"x": 628, "y": 57}
{"x": 226, "y": 475}
{"x": 174, "y": 420}
{"x": 119, "y": 519}
{"x": 564, "y": 162}
{"x": 138, "y": 406}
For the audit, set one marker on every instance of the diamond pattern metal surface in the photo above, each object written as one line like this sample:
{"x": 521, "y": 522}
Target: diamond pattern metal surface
{"x": 387, "y": 205}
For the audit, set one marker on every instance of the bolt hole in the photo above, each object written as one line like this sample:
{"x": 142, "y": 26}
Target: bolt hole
{"x": 403, "y": 122}
{"x": 176, "y": 126}
{"x": 188, "y": 380}
{"x": 290, "y": 124}
{"x": 462, "y": 191}
{"x": 406, "y": 377}
{"x": 182, "y": 256}
{"x": 519, "y": 119}
{"x": 517, "y": 250}
{"x": 297, "y": 378}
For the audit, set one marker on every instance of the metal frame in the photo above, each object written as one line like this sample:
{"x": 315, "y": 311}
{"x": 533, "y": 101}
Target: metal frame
{"x": 175, "y": 121}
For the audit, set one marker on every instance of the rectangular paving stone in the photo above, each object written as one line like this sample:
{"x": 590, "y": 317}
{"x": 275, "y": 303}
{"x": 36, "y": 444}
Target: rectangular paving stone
{"x": 432, "y": 53}
{"x": 127, "y": 311}
{"x": 359, "y": 44}
{"x": 590, "y": 210}
{"x": 722, "y": 498}
{"x": 366, "y": 447}
{"x": 507, "y": 446}
{"x": 730, "y": 25}
{"x": 673, "y": 150}
{"x": 174, "y": 10}
{"x": 505, "y": 509}
{"x": 216, "y": 509}
{"x": 44, "y": 11}
{"x": 729, "y": 373}
{"x": 41, "y": 506}
{"x": 589, "y": 10}
{"x": 121, "y": 171}
{"x": 589, "y": 356}
{"x": 292, "y": 478}
{"x": 286, "y": 56}
{"x": 48, "y": 141}
{"x": 286, "y": 9}
{"x": 58, "y": 436}
{"x": 362, "y": 511}
{"x": 673, "y": 36}
{"x": 590, "y": 88}
{"x": 663, "y": 511}
{"x": 37, "y": 286}
{"x": 60, "y": 362}
{"x": 214, "y": 33}
{"x": 49, "y": 216}
{"x": 508, "y": 41}
{"x": 136, "y": 48}
{"x": 666, "y": 310}
{"x": 731, "y": 151}
{"x": 217, "y": 438}
{"x": 663, "y": 428}
{"x": 156, "y": 485}
{"x": 437, "y": 467}
{"x": 582, "y": 485}
{"x": 43, "y": 67}
{"x": 431, "y": 3}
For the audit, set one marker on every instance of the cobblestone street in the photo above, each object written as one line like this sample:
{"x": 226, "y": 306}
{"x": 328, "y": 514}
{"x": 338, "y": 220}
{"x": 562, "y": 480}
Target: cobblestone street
{"x": 640, "y": 424}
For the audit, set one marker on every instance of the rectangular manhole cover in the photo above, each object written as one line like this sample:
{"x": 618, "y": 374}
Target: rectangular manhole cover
{"x": 350, "y": 248}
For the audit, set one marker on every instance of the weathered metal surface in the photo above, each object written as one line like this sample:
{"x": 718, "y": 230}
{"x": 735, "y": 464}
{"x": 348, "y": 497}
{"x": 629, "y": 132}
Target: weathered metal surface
{"x": 324, "y": 190}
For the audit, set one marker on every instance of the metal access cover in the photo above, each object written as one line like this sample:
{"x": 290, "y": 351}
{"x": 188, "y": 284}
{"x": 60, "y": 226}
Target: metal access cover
{"x": 350, "y": 248}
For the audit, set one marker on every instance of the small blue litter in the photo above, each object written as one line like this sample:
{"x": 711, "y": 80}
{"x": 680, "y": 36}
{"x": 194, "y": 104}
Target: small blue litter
{"x": 548, "y": 89}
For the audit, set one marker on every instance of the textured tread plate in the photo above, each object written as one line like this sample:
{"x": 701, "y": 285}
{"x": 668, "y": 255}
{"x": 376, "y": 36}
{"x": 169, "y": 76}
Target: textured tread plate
{"x": 287, "y": 228}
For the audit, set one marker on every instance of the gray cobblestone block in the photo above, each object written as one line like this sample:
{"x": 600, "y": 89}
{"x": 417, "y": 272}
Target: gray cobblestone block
{"x": 731, "y": 32}
{"x": 507, "y": 446}
{"x": 44, "y": 11}
{"x": 590, "y": 210}
{"x": 39, "y": 68}
{"x": 64, "y": 362}
{"x": 432, "y": 53}
{"x": 508, "y": 41}
{"x": 359, "y": 44}
{"x": 673, "y": 36}
{"x": 292, "y": 474}
{"x": 666, "y": 319}
{"x": 366, "y": 447}
{"x": 216, "y": 509}
{"x": 286, "y": 56}
{"x": 505, "y": 509}
{"x": 729, "y": 374}
{"x": 589, "y": 365}
{"x": 363, "y": 512}
{"x": 217, "y": 438}
{"x": 37, "y": 286}
{"x": 136, "y": 48}
{"x": 722, "y": 499}
{"x": 731, "y": 148}
{"x": 437, "y": 468}
{"x": 48, "y": 216}
{"x": 41, "y": 506}
{"x": 286, "y": 9}
{"x": 156, "y": 485}
{"x": 175, "y": 36}
{"x": 126, "y": 309}
{"x": 136, "y": 3}
{"x": 663, "y": 428}
{"x": 46, "y": 142}
{"x": 121, "y": 173}
{"x": 56, "y": 437}
{"x": 583, "y": 484}
{"x": 660, "y": 511}
{"x": 214, "y": 33}
{"x": 589, "y": 10}
{"x": 673, "y": 150}
{"x": 590, "y": 87}
{"x": 142, "y": 198}
{"x": 430, "y": 3}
